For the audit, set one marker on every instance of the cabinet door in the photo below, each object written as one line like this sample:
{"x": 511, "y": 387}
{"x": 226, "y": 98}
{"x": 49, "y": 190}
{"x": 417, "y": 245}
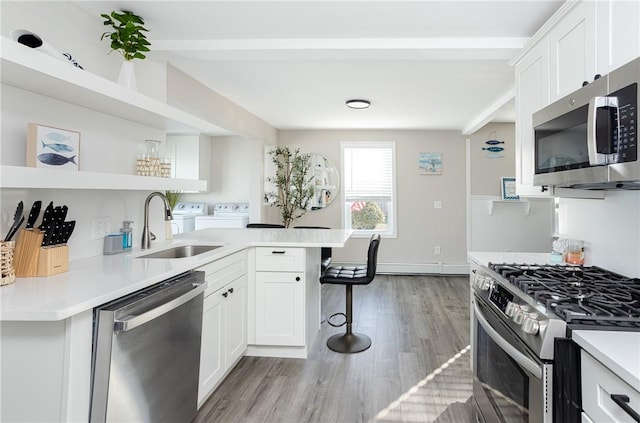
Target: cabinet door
{"x": 618, "y": 33}
{"x": 532, "y": 93}
{"x": 572, "y": 50}
{"x": 236, "y": 320}
{"x": 280, "y": 308}
{"x": 211, "y": 353}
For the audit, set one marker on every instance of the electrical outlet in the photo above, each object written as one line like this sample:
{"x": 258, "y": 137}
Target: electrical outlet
{"x": 100, "y": 227}
{"x": 436, "y": 250}
{"x": 437, "y": 204}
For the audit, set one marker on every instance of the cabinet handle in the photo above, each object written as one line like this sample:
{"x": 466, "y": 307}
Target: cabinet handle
{"x": 230, "y": 290}
{"x": 297, "y": 278}
{"x": 278, "y": 252}
{"x": 622, "y": 401}
{"x": 225, "y": 294}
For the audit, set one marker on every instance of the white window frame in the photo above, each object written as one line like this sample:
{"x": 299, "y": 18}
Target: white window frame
{"x": 392, "y": 231}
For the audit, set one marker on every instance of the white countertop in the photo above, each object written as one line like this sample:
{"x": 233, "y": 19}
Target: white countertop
{"x": 97, "y": 280}
{"x": 483, "y": 258}
{"x": 618, "y": 351}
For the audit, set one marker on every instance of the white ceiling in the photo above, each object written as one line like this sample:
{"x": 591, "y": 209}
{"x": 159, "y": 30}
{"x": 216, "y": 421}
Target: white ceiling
{"x": 422, "y": 64}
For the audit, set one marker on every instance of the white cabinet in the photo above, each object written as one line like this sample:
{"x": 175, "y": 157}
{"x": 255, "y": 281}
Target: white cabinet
{"x": 618, "y": 34}
{"x": 280, "y": 296}
{"x": 532, "y": 93}
{"x": 598, "y": 385}
{"x": 224, "y": 321}
{"x": 572, "y": 50}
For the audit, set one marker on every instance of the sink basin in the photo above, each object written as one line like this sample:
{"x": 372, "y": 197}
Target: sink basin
{"x": 181, "y": 251}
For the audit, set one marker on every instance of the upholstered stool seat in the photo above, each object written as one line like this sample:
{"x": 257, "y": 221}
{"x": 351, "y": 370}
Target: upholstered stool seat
{"x": 350, "y": 342}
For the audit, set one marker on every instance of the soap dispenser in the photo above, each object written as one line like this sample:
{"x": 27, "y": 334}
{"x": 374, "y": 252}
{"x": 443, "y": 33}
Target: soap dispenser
{"x": 127, "y": 234}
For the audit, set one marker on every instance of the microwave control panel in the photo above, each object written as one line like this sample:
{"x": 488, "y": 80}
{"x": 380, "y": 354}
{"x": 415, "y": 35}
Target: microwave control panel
{"x": 626, "y": 140}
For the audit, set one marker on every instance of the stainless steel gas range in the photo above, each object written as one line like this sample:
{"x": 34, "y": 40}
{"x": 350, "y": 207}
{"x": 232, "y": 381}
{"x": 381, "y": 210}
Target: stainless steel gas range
{"x": 522, "y": 317}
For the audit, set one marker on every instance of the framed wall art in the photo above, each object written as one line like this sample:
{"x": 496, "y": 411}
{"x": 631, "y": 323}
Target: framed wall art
{"x": 52, "y": 148}
{"x": 430, "y": 163}
{"x": 508, "y": 188}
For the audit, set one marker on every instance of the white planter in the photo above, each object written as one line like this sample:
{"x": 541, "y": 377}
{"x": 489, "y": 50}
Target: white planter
{"x": 127, "y": 77}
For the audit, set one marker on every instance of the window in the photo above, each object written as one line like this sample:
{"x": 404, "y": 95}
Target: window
{"x": 369, "y": 187}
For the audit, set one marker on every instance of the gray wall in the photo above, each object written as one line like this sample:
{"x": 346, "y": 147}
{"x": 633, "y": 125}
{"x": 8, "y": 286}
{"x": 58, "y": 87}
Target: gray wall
{"x": 420, "y": 226}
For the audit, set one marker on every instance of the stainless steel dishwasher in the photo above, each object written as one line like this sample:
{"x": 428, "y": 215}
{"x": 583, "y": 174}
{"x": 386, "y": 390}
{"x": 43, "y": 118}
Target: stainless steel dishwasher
{"x": 146, "y": 353}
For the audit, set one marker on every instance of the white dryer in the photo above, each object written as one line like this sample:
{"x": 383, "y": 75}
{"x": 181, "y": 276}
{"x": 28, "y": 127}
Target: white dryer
{"x": 184, "y": 216}
{"x": 225, "y": 215}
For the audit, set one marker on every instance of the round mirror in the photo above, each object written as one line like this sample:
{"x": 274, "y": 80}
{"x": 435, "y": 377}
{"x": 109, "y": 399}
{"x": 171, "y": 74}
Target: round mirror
{"x": 325, "y": 181}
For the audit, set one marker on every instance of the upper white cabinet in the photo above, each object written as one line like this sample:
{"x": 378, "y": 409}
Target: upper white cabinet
{"x": 582, "y": 39}
{"x": 532, "y": 93}
{"x": 618, "y": 34}
{"x": 572, "y": 50}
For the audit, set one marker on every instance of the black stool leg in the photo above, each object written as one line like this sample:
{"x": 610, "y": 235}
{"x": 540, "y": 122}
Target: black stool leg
{"x": 349, "y": 342}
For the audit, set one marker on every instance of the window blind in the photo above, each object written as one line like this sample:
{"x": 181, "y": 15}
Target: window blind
{"x": 368, "y": 173}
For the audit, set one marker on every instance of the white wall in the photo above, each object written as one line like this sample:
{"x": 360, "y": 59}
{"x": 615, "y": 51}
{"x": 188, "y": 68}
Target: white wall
{"x": 610, "y": 227}
{"x": 509, "y": 227}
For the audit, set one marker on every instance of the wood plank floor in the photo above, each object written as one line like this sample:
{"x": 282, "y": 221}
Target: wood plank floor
{"x": 417, "y": 369}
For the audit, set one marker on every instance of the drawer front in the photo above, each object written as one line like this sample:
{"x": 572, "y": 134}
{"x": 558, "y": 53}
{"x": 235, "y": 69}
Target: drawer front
{"x": 598, "y": 383}
{"x": 274, "y": 259}
{"x": 221, "y": 272}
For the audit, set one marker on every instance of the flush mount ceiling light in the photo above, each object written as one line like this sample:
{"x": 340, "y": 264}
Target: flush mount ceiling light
{"x": 358, "y": 104}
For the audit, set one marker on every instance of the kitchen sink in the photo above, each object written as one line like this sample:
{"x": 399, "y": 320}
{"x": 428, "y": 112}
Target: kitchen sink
{"x": 181, "y": 251}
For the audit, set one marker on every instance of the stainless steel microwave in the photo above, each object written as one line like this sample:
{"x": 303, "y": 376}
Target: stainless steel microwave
{"x": 589, "y": 138}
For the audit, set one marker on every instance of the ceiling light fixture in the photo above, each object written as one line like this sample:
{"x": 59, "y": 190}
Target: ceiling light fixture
{"x": 358, "y": 104}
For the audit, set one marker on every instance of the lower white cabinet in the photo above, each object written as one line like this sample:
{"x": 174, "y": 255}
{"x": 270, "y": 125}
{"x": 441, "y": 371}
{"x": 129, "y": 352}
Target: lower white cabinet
{"x": 280, "y": 308}
{"x": 224, "y": 321}
{"x": 599, "y": 384}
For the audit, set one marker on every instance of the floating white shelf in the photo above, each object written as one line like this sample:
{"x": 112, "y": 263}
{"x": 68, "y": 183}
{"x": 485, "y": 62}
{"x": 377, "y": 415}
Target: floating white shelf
{"x": 32, "y": 70}
{"x": 31, "y": 177}
{"x": 527, "y": 205}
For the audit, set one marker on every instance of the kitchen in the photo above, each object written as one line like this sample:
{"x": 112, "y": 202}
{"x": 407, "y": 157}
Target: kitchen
{"x": 113, "y": 140}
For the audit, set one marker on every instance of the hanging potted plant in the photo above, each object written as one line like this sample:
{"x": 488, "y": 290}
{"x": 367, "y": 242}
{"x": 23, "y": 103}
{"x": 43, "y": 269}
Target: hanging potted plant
{"x": 293, "y": 189}
{"x": 127, "y": 38}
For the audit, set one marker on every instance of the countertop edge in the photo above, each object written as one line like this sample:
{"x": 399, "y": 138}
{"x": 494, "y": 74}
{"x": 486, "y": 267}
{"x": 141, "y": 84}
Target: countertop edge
{"x": 596, "y": 343}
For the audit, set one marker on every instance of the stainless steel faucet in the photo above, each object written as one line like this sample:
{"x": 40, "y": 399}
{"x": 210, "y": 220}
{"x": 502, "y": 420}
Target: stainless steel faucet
{"x": 146, "y": 234}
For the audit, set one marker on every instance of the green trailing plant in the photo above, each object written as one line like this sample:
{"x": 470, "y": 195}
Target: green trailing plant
{"x": 292, "y": 181}
{"x": 127, "y": 37}
{"x": 368, "y": 218}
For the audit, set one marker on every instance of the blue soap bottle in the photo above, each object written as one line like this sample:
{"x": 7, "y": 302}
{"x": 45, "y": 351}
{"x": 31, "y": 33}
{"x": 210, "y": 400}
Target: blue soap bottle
{"x": 127, "y": 232}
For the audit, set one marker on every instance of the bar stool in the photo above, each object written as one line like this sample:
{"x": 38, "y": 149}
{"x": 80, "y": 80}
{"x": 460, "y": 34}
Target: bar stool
{"x": 350, "y": 342}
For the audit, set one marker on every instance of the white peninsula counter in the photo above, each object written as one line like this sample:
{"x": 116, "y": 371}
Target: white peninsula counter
{"x": 46, "y": 323}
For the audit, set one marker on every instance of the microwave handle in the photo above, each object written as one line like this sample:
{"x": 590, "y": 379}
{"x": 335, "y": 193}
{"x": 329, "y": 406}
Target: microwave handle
{"x": 530, "y": 365}
{"x": 595, "y": 158}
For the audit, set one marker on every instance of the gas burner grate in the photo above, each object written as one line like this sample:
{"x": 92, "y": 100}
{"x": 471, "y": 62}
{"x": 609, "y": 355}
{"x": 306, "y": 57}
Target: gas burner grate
{"x": 580, "y": 295}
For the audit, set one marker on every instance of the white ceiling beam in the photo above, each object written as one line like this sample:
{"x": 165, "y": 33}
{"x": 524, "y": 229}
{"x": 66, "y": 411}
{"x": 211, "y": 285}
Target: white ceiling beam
{"x": 488, "y": 113}
{"x": 340, "y": 44}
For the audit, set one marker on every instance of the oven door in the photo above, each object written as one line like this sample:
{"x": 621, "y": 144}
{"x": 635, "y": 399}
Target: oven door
{"x": 510, "y": 383}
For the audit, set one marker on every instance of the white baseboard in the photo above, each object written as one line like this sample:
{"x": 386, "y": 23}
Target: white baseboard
{"x": 417, "y": 268}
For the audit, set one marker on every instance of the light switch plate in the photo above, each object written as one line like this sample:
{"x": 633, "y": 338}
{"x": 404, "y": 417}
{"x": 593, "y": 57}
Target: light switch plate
{"x": 100, "y": 227}
{"x": 437, "y": 204}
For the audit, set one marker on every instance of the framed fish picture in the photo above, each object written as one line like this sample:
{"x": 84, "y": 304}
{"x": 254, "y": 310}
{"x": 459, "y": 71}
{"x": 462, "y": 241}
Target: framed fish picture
{"x": 52, "y": 148}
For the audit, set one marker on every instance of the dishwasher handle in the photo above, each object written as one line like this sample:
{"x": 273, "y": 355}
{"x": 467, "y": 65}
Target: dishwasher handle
{"x": 134, "y": 322}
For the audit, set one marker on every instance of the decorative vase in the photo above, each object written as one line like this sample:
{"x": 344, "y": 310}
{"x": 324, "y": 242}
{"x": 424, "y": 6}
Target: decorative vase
{"x": 127, "y": 77}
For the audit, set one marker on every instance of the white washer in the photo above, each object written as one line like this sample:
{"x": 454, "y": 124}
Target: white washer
{"x": 184, "y": 216}
{"x": 225, "y": 215}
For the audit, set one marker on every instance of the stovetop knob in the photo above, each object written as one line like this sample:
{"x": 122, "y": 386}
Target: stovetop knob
{"x": 530, "y": 324}
{"x": 520, "y": 314}
{"x": 511, "y": 309}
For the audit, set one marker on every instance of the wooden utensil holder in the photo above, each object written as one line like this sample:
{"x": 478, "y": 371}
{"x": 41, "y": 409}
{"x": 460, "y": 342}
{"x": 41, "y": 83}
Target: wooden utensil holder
{"x": 31, "y": 259}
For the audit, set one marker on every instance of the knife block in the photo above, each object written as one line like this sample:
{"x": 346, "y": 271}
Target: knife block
{"x": 53, "y": 260}
{"x": 31, "y": 259}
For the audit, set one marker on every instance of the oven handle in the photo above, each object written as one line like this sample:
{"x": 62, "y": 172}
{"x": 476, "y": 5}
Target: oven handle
{"x": 520, "y": 358}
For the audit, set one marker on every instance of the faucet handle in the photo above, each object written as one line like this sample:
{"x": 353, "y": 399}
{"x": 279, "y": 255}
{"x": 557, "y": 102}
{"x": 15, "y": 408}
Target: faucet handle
{"x": 152, "y": 236}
